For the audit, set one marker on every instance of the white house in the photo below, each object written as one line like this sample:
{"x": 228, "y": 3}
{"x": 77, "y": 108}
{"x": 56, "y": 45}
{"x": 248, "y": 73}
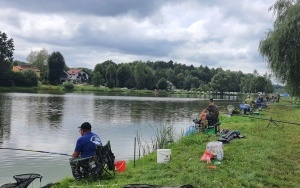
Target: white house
{"x": 74, "y": 76}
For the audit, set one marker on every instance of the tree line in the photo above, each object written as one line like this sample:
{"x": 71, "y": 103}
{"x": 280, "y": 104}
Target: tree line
{"x": 133, "y": 75}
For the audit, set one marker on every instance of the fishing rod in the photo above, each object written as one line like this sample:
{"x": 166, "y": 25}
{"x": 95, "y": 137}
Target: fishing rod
{"x": 271, "y": 120}
{"x": 38, "y": 151}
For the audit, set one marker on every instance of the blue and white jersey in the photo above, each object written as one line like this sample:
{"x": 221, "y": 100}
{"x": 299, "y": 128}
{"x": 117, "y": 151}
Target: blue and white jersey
{"x": 86, "y": 144}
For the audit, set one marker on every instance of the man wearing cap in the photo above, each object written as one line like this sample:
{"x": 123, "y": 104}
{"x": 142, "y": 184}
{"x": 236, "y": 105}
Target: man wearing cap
{"x": 211, "y": 113}
{"x": 85, "y": 148}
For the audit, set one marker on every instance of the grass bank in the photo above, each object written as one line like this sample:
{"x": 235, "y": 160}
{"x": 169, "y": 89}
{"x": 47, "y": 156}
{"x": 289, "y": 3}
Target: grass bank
{"x": 268, "y": 156}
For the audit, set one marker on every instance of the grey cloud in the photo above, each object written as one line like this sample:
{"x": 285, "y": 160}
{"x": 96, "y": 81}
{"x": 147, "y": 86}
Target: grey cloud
{"x": 87, "y": 7}
{"x": 145, "y": 29}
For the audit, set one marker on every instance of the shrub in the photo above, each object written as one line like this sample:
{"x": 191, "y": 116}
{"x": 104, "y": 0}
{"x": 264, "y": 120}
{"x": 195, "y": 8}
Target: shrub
{"x": 68, "y": 86}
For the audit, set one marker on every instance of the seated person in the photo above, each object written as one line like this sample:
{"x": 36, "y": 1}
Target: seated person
{"x": 85, "y": 148}
{"x": 211, "y": 113}
{"x": 259, "y": 102}
{"x": 248, "y": 103}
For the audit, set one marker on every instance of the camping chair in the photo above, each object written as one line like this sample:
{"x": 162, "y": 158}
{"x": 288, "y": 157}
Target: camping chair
{"x": 214, "y": 124}
{"x": 211, "y": 124}
{"x": 102, "y": 162}
{"x": 23, "y": 181}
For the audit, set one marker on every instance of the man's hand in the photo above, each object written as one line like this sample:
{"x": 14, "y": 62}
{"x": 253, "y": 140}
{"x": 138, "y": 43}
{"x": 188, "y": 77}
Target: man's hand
{"x": 75, "y": 154}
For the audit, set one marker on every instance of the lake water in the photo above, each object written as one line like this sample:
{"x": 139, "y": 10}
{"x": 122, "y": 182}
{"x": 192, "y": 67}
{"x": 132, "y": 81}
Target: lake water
{"x": 48, "y": 122}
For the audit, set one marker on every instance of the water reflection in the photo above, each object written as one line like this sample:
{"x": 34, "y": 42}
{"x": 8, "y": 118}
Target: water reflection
{"x": 55, "y": 106}
{"x": 5, "y": 115}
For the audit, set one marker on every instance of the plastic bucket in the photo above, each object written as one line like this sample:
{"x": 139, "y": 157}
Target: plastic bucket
{"x": 163, "y": 155}
{"x": 216, "y": 148}
{"x": 120, "y": 166}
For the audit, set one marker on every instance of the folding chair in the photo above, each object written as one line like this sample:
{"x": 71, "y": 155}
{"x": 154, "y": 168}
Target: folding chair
{"x": 211, "y": 124}
{"x": 94, "y": 167}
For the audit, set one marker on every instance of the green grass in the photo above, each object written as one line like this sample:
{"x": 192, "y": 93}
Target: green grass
{"x": 266, "y": 157}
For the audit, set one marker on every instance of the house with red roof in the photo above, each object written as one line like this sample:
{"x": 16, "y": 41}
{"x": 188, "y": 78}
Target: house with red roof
{"x": 74, "y": 76}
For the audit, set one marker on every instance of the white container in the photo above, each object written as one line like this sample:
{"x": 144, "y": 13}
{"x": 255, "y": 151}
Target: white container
{"x": 163, "y": 155}
{"x": 216, "y": 148}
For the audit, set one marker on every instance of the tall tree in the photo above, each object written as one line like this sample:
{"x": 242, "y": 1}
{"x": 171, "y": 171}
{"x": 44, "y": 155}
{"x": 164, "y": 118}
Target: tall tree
{"x": 281, "y": 46}
{"x": 140, "y": 75}
{"x": 6, "y": 59}
{"x": 39, "y": 59}
{"x": 220, "y": 82}
{"x": 102, "y": 67}
{"x": 97, "y": 79}
{"x": 162, "y": 84}
{"x": 125, "y": 76}
{"x": 111, "y": 75}
{"x": 56, "y": 63}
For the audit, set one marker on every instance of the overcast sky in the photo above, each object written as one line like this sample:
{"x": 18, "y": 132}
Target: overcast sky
{"x": 213, "y": 33}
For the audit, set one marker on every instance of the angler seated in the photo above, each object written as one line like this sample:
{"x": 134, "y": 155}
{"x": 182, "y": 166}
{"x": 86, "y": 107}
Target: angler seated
{"x": 261, "y": 103}
{"x": 248, "y": 104}
{"x": 84, "y": 151}
{"x": 210, "y": 116}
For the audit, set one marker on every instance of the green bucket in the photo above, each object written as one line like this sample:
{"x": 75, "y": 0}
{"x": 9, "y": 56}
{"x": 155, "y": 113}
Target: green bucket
{"x": 210, "y": 131}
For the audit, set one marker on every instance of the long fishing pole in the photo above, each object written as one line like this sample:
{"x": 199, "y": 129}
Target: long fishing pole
{"x": 37, "y": 151}
{"x": 271, "y": 120}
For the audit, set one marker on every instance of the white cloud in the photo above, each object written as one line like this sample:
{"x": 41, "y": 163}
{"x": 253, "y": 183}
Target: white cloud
{"x": 210, "y": 33}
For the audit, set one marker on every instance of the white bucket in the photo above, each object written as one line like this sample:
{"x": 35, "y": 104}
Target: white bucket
{"x": 216, "y": 148}
{"x": 163, "y": 155}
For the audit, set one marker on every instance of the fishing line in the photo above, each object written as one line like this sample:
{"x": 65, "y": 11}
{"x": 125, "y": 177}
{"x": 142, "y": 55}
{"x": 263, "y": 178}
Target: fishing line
{"x": 37, "y": 151}
{"x": 271, "y": 120}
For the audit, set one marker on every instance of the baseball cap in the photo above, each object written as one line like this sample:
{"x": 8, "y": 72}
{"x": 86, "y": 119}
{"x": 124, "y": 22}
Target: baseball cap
{"x": 85, "y": 125}
{"x": 211, "y": 100}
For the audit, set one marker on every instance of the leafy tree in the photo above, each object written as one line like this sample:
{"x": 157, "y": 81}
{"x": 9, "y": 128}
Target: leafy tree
{"x": 162, "y": 84}
{"x": 6, "y": 59}
{"x": 39, "y": 59}
{"x": 125, "y": 76}
{"x": 97, "y": 79}
{"x": 140, "y": 75}
{"x": 181, "y": 80}
{"x": 17, "y": 62}
{"x": 191, "y": 82}
{"x": 111, "y": 75}
{"x": 26, "y": 78}
{"x": 150, "y": 78}
{"x": 281, "y": 46}
{"x": 19, "y": 79}
{"x": 56, "y": 63}
{"x": 234, "y": 81}
{"x": 102, "y": 67}
{"x": 220, "y": 82}
{"x": 171, "y": 76}
{"x": 30, "y": 77}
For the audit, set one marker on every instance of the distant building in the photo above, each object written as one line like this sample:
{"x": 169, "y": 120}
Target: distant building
{"x": 74, "y": 76}
{"x": 22, "y": 68}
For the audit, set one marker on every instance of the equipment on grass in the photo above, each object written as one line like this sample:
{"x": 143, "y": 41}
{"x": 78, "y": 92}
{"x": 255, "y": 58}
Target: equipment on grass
{"x": 230, "y": 109}
{"x": 227, "y": 136}
{"x": 23, "y": 181}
